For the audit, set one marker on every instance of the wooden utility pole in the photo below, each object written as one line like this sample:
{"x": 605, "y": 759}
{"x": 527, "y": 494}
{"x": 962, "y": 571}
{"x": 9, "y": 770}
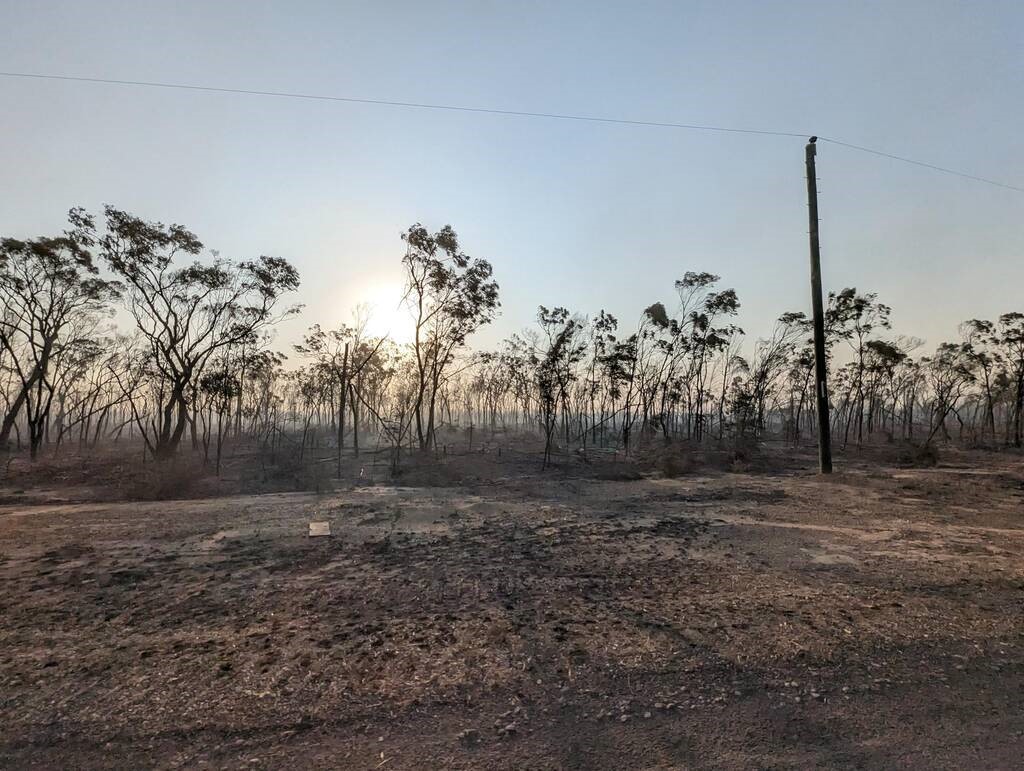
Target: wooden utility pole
{"x": 820, "y": 364}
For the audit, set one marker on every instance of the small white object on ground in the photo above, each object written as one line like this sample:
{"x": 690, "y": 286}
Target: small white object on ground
{"x": 319, "y": 529}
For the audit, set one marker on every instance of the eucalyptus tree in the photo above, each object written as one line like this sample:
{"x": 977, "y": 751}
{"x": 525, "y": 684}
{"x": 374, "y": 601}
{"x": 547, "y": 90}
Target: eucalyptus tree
{"x": 882, "y": 361}
{"x": 555, "y": 368}
{"x": 87, "y": 392}
{"x": 729, "y": 364}
{"x": 798, "y": 381}
{"x": 516, "y": 356}
{"x": 450, "y": 296}
{"x": 344, "y": 353}
{"x": 184, "y": 314}
{"x": 52, "y": 302}
{"x": 768, "y": 365}
{"x": 619, "y": 367}
{"x": 1010, "y": 339}
{"x": 705, "y": 340}
{"x": 602, "y": 337}
{"x": 950, "y": 372}
{"x": 218, "y": 387}
{"x": 981, "y": 342}
{"x": 263, "y": 394}
{"x": 493, "y": 381}
{"x": 683, "y": 346}
{"x": 853, "y": 317}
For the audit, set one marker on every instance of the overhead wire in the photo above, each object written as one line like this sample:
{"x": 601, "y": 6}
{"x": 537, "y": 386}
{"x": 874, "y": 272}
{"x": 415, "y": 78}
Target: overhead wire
{"x": 504, "y": 112}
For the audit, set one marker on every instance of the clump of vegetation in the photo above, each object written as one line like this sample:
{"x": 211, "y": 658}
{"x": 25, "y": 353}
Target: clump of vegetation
{"x": 918, "y": 456}
{"x": 675, "y": 462}
{"x": 179, "y": 479}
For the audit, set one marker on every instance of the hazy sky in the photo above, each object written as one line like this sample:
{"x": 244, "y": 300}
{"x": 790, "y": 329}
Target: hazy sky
{"x": 588, "y": 216}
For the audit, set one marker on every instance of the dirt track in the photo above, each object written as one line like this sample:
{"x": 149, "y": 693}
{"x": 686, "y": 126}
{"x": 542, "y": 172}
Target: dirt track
{"x": 720, "y": 621}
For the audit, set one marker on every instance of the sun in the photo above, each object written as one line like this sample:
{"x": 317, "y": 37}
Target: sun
{"x": 387, "y": 315}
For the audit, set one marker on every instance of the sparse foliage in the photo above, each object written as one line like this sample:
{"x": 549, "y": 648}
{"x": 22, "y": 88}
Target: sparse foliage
{"x": 198, "y": 361}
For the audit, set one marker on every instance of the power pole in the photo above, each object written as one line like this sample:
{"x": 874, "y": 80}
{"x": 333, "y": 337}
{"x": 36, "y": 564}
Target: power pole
{"x": 820, "y": 364}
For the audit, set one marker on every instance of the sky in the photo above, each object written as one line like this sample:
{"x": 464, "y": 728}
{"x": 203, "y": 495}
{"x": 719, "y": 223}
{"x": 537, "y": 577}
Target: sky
{"x": 588, "y": 216}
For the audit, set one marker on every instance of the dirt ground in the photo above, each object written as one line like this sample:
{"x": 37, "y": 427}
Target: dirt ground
{"x": 519, "y": 619}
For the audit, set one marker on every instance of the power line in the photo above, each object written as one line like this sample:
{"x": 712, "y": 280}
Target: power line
{"x": 933, "y": 167}
{"x": 493, "y": 111}
{"x": 390, "y": 103}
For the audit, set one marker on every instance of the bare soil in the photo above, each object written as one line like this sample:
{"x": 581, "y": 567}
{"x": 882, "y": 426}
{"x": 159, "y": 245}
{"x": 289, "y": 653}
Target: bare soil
{"x": 501, "y": 617}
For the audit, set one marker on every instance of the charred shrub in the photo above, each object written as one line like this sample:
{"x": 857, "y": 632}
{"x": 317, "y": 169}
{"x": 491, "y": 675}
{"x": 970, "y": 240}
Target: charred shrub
{"x": 918, "y": 456}
{"x": 173, "y": 479}
{"x": 674, "y": 462}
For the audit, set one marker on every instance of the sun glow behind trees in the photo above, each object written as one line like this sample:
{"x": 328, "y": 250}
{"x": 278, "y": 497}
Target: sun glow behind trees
{"x": 384, "y": 312}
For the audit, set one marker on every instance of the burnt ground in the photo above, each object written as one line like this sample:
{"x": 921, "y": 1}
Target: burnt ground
{"x": 522, "y": 619}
